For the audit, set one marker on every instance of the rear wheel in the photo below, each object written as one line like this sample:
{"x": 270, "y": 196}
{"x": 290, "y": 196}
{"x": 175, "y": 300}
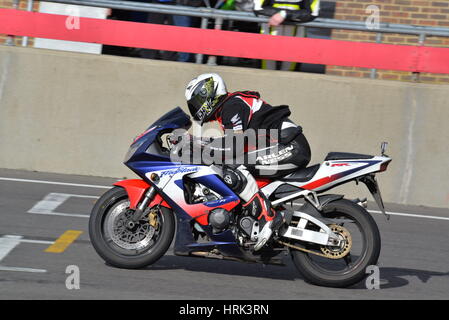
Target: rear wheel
{"x": 343, "y": 265}
{"x": 123, "y": 243}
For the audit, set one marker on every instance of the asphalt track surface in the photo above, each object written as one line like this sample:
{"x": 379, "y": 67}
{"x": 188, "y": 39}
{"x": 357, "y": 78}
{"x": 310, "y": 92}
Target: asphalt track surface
{"x": 414, "y": 262}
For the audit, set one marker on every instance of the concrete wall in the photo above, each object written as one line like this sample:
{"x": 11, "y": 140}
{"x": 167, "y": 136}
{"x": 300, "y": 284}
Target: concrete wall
{"x": 77, "y": 113}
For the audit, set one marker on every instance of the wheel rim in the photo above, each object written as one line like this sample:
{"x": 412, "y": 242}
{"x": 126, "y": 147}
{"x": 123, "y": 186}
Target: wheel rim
{"x": 345, "y": 246}
{"x": 128, "y": 240}
{"x": 348, "y": 261}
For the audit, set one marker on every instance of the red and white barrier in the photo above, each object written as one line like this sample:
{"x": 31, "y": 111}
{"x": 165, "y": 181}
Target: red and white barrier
{"x": 226, "y": 43}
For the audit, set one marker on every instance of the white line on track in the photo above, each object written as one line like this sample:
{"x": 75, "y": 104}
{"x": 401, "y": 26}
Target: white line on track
{"x": 108, "y": 187}
{"x": 411, "y": 215}
{"x": 53, "y": 200}
{"x": 60, "y": 214}
{"x": 8, "y": 243}
{"x": 20, "y": 239}
{"x": 3, "y": 268}
{"x": 402, "y": 214}
{"x": 56, "y": 183}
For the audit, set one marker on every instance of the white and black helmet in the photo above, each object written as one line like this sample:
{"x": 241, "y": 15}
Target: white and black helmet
{"x": 204, "y": 95}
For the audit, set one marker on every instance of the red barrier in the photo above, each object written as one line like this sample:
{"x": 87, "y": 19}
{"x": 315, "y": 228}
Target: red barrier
{"x": 227, "y": 43}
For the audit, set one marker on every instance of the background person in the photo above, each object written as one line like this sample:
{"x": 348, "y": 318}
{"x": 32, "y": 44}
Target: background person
{"x": 159, "y": 18}
{"x": 280, "y": 11}
{"x": 186, "y": 21}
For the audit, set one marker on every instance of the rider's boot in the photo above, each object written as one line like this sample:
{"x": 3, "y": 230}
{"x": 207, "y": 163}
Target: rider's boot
{"x": 259, "y": 207}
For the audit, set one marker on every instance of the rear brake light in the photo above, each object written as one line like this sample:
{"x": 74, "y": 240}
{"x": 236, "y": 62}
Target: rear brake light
{"x": 384, "y": 166}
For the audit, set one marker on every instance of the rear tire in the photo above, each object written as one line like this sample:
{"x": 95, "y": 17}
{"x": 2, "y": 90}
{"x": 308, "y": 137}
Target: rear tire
{"x": 354, "y": 274}
{"x": 114, "y": 251}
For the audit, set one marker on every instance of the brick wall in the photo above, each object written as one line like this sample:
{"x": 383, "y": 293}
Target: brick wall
{"x": 412, "y": 12}
{"x": 22, "y": 5}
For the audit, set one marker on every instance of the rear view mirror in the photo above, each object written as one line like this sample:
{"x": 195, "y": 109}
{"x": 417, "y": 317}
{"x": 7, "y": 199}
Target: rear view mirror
{"x": 383, "y": 147}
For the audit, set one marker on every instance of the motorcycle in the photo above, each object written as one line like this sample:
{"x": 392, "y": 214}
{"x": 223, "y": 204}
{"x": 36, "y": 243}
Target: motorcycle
{"x": 332, "y": 240}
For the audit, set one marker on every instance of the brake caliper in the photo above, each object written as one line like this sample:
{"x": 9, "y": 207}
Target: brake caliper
{"x": 153, "y": 218}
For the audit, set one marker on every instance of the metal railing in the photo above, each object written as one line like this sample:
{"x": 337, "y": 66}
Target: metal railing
{"x": 206, "y": 13}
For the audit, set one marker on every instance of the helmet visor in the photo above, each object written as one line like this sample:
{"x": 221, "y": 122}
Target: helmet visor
{"x": 195, "y": 105}
{"x": 201, "y": 102}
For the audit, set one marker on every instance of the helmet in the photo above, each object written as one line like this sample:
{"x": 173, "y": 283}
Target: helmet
{"x": 204, "y": 95}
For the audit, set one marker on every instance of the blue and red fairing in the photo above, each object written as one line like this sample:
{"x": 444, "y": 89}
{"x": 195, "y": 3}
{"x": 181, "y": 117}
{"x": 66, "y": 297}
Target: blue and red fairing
{"x": 146, "y": 155}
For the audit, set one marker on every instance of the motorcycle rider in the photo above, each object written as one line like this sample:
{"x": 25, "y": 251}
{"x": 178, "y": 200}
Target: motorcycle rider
{"x": 208, "y": 100}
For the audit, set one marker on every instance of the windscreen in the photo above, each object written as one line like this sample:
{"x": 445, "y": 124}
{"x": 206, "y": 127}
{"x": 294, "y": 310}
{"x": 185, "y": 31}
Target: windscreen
{"x": 176, "y": 117}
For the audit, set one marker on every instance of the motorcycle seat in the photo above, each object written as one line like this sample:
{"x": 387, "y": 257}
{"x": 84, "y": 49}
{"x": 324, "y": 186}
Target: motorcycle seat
{"x": 302, "y": 175}
{"x": 346, "y": 156}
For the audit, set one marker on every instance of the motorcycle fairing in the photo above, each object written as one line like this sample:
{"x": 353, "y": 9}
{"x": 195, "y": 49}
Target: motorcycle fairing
{"x": 329, "y": 174}
{"x": 146, "y": 157}
{"x": 170, "y": 193}
{"x": 135, "y": 188}
{"x": 172, "y": 189}
{"x": 187, "y": 214}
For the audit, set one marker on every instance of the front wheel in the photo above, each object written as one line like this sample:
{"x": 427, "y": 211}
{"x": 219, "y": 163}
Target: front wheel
{"x": 125, "y": 244}
{"x": 346, "y": 265}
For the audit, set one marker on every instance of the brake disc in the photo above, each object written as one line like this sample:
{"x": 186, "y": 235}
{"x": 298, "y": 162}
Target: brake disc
{"x": 135, "y": 239}
{"x": 344, "y": 247}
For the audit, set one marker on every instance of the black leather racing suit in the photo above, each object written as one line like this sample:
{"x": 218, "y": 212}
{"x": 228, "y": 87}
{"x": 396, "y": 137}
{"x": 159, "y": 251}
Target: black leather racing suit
{"x": 286, "y": 148}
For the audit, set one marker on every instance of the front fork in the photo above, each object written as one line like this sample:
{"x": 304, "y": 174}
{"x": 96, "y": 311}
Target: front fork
{"x": 138, "y": 214}
{"x": 140, "y": 195}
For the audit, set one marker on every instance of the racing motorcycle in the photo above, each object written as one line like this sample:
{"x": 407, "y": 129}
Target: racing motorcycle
{"x": 332, "y": 240}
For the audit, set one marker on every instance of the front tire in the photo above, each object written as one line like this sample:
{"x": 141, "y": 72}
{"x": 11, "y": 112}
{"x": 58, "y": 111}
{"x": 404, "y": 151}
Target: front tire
{"x": 123, "y": 247}
{"x": 315, "y": 273}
